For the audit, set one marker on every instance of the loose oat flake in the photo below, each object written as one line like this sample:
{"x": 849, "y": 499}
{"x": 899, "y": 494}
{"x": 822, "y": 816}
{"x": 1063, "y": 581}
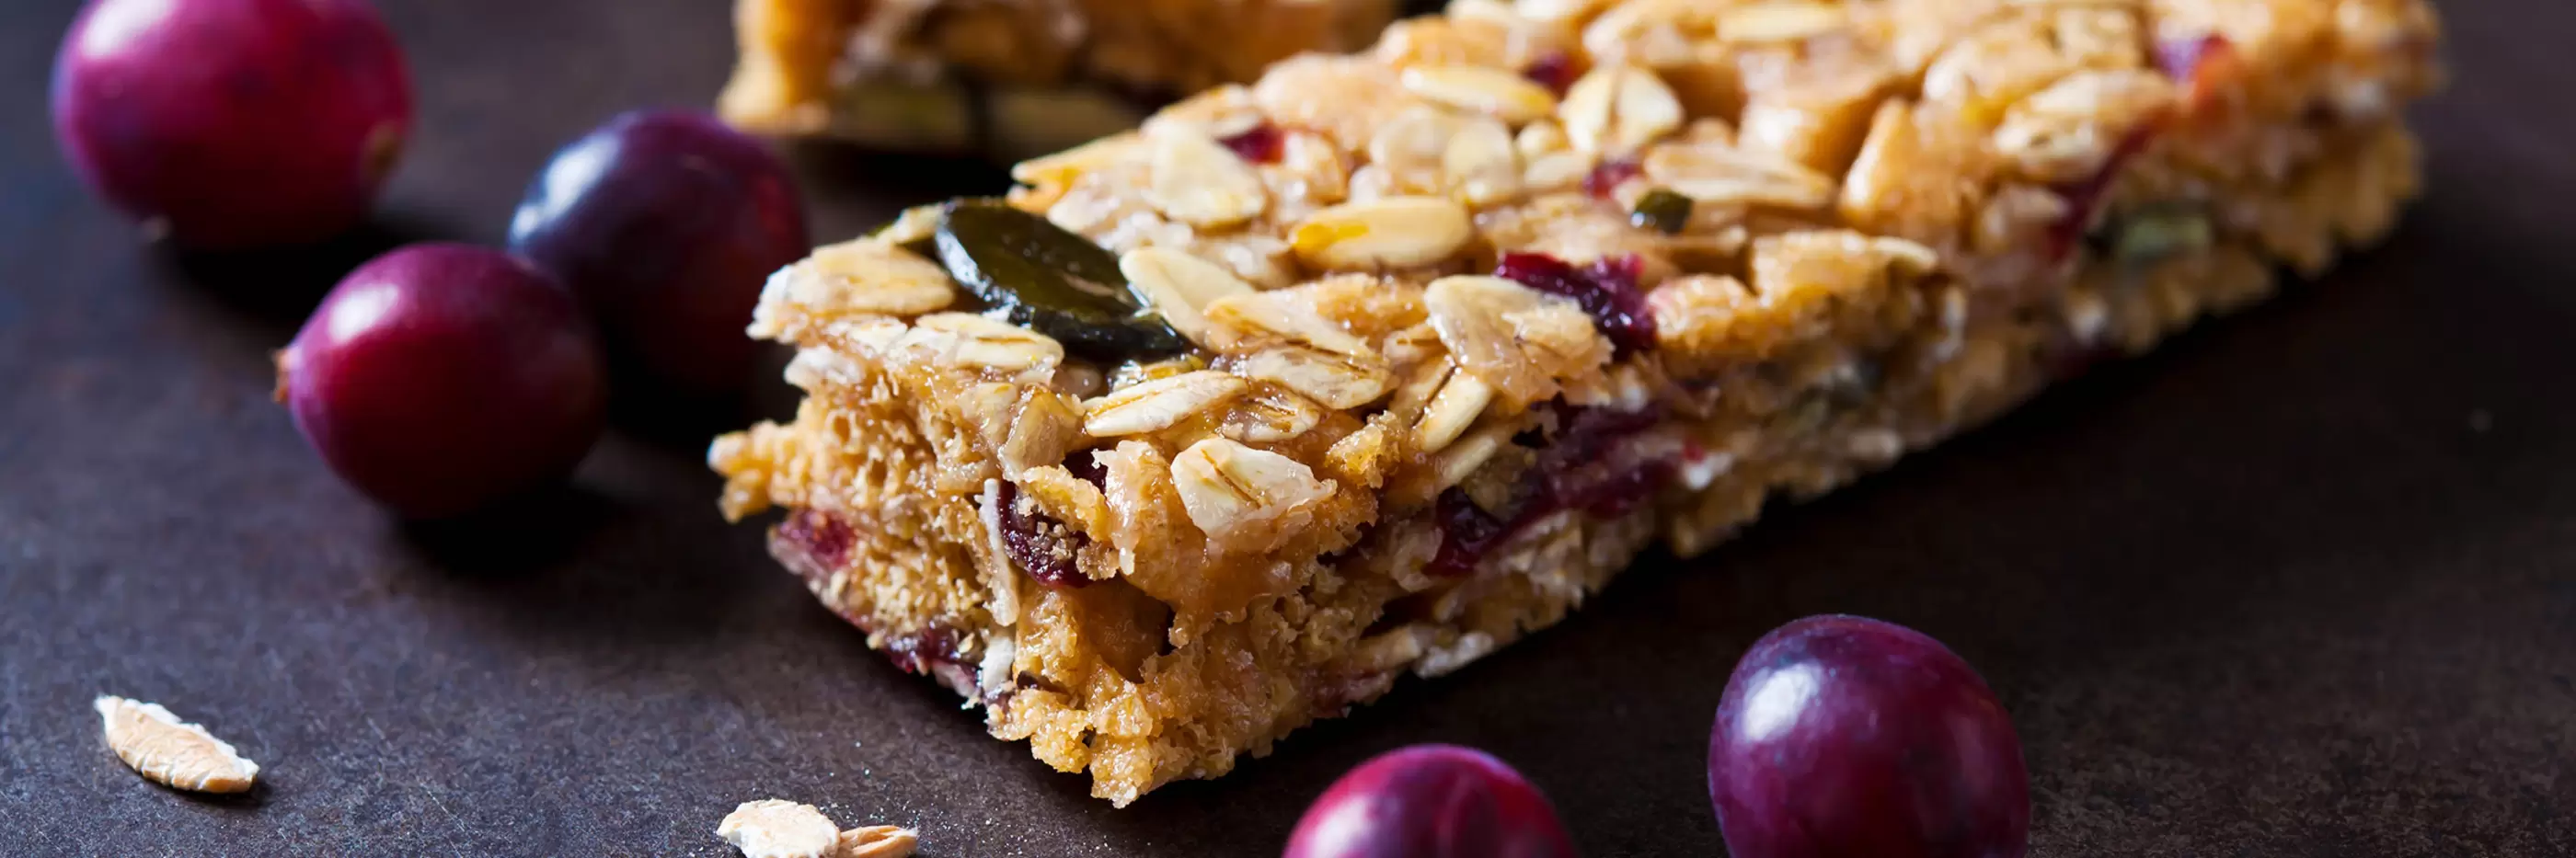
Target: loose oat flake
{"x": 878, "y": 841}
{"x": 159, "y": 746}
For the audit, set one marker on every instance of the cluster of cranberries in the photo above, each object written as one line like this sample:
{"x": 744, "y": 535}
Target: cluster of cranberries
{"x": 1837, "y": 737}
{"x": 439, "y": 377}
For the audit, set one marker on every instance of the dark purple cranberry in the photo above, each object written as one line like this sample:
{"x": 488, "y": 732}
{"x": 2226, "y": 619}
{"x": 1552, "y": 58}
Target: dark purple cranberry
{"x": 1554, "y": 70}
{"x": 1430, "y": 801}
{"x": 1606, "y": 176}
{"x": 441, "y": 377}
{"x": 1841, "y": 737}
{"x": 822, "y": 537}
{"x": 1260, "y": 144}
{"x": 233, "y": 123}
{"x": 1467, "y": 531}
{"x": 923, "y": 651}
{"x": 1607, "y": 289}
{"x": 1039, "y": 545}
{"x": 666, "y": 223}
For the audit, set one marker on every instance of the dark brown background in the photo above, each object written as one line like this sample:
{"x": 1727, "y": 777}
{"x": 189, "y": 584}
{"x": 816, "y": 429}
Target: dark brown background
{"x": 2304, "y": 583}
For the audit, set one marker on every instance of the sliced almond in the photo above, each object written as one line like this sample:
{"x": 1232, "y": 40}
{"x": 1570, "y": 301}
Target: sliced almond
{"x": 1199, "y": 182}
{"x": 1478, "y": 89}
{"x": 171, "y": 752}
{"x": 1392, "y": 232}
{"x": 1158, "y": 404}
{"x": 771, "y": 828}
{"x": 1180, "y": 286}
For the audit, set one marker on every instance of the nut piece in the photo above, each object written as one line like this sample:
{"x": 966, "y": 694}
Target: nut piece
{"x": 170, "y": 752}
{"x": 1159, "y": 404}
{"x": 878, "y": 841}
{"x": 1477, "y": 89}
{"x": 1180, "y": 286}
{"x": 1246, "y": 499}
{"x": 771, "y": 828}
{"x": 1392, "y": 232}
{"x": 1200, "y": 183}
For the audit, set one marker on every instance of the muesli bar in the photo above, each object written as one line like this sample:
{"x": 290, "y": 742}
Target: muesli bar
{"x": 1219, "y": 426}
{"x": 1011, "y": 78}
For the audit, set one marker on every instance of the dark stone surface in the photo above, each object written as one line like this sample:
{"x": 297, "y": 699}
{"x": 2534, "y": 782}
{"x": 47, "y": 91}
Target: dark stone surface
{"x": 2301, "y": 584}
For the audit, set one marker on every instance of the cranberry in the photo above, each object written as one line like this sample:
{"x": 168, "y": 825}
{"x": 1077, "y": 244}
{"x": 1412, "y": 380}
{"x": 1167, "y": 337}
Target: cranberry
{"x": 1843, "y": 736}
{"x": 233, "y": 123}
{"x": 1430, "y": 801}
{"x": 1260, "y": 144}
{"x": 666, "y": 224}
{"x": 924, "y": 651}
{"x": 1607, "y": 289}
{"x": 1579, "y": 467}
{"x": 441, "y": 377}
{"x": 1554, "y": 70}
{"x": 2201, "y": 65}
{"x": 1606, "y": 176}
{"x": 822, "y": 537}
{"x": 1040, "y": 545}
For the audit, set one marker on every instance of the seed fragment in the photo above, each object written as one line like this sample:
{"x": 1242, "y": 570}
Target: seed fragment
{"x": 171, "y": 752}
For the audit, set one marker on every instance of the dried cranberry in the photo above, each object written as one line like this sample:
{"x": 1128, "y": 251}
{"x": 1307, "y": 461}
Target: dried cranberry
{"x": 1260, "y": 144}
{"x": 1086, "y": 468}
{"x": 1576, "y": 471}
{"x": 2083, "y": 197}
{"x": 1466, "y": 532}
{"x": 1554, "y": 70}
{"x": 1606, "y": 177}
{"x": 923, "y": 651}
{"x": 824, "y": 537}
{"x": 2200, "y": 65}
{"x": 1040, "y": 545}
{"x": 1607, "y": 289}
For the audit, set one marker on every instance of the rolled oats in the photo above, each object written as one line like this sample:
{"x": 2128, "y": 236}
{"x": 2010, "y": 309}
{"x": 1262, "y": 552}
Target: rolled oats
{"x": 1394, "y": 232}
{"x": 1246, "y": 499}
{"x": 1619, "y": 108}
{"x": 171, "y": 752}
{"x": 1337, "y": 381}
{"x": 1156, "y": 405}
{"x": 1180, "y": 287}
{"x": 1198, "y": 182}
{"x": 1499, "y": 93}
{"x": 878, "y": 841}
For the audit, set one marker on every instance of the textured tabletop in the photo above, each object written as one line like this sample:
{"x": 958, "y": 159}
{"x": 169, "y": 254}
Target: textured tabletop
{"x": 2301, "y": 584}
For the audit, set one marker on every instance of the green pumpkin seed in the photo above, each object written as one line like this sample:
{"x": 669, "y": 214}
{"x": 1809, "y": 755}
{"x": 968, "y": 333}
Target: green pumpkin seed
{"x": 1053, "y": 281}
{"x": 1663, "y": 210}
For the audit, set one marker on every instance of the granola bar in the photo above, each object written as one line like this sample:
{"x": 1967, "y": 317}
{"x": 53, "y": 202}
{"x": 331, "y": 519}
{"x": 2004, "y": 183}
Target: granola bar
{"x": 1009, "y": 77}
{"x": 1219, "y": 426}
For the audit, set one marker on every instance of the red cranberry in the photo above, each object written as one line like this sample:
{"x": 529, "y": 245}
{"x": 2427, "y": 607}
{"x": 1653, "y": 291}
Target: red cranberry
{"x": 1607, "y": 289}
{"x": 1037, "y": 544}
{"x": 2201, "y": 65}
{"x": 1554, "y": 70}
{"x": 441, "y": 377}
{"x": 1842, "y": 736}
{"x": 822, "y": 537}
{"x": 1430, "y": 801}
{"x": 1579, "y": 467}
{"x": 1260, "y": 144}
{"x": 233, "y": 123}
{"x": 666, "y": 224}
{"x": 1467, "y": 532}
{"x": 1606, "y": 176}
